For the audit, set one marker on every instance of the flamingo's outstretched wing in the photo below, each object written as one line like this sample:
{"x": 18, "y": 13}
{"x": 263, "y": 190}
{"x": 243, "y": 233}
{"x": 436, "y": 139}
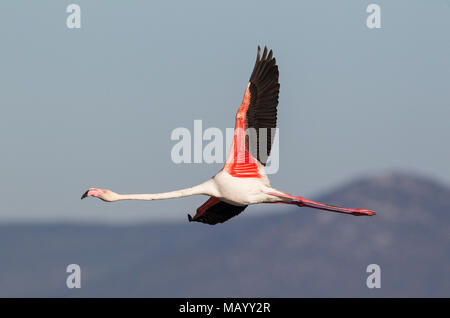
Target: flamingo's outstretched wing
{"x": 255, "y": 119}
{"x": 215, "y": 211}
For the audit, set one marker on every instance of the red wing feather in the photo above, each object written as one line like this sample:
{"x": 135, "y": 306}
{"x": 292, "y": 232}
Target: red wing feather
{"x": 257, "y": 111}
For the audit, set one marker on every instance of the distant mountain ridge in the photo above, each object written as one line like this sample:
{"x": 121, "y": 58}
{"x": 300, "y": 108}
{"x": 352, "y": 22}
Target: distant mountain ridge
{"x": 303, "y": 253}
{"x": 396, "y": 192}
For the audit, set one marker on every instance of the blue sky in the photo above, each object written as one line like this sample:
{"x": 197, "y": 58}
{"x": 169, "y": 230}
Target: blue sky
{"x": 96, "y": 106}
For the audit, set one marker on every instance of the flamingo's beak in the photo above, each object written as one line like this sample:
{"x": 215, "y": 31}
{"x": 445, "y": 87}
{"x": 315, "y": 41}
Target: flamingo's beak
{"x": 93, "y": 192}
{"x": 84, "y": 195}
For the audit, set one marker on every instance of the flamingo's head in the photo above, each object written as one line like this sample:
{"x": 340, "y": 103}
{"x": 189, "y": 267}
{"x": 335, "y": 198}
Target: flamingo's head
{"x": 105, "y": 195}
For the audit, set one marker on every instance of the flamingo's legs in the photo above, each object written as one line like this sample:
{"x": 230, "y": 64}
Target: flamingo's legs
{"x": 300, "y": 201}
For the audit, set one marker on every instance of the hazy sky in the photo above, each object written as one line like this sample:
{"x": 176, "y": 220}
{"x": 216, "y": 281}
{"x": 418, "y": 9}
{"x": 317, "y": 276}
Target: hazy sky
{"x": 96, "y": 106}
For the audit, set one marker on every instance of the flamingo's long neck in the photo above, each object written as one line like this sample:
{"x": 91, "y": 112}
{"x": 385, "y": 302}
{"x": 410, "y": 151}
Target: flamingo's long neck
{"x": 206, "y": 188}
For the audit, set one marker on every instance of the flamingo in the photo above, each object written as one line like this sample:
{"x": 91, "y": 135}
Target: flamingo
{"x": 242, "y": 181}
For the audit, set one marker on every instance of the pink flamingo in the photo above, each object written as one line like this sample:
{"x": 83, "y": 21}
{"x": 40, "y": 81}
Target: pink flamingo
{"x": 242, "y": 181}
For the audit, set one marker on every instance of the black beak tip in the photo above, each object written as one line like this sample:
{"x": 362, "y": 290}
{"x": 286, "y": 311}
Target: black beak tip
{"x": 84, "y": 195}
{"x": 189, "y": 218}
